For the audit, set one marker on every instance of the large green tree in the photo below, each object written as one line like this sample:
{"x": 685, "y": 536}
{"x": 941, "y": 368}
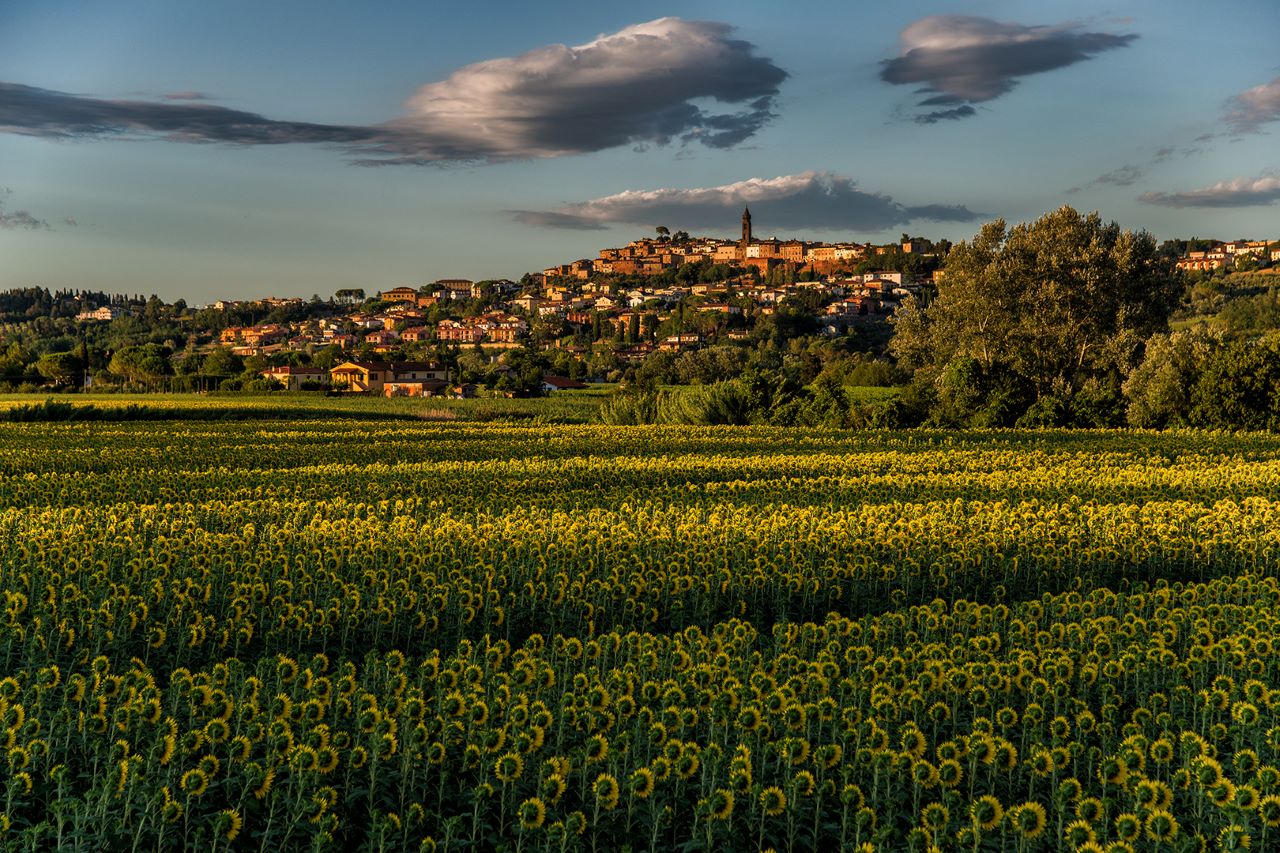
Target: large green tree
{"x": 1054, "y": 307}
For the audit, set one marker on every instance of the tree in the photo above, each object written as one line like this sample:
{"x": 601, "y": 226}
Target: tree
{"x": 221, "y": 361}
{"x": 1055, "y": 304}
{"x": 61, "y": 368}
{"x": 1159, "y": 389}
{"x": 1239, "y": 387}
{"x": 141, "y": 364}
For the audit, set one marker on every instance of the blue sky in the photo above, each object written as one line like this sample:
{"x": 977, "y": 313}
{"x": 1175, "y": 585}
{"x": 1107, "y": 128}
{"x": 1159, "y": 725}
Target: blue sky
{"x": 243, "y": 149}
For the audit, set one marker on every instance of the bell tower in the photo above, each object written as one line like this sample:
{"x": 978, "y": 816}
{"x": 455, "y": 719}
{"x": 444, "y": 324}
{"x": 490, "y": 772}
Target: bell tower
{"x": 746, "y": 228}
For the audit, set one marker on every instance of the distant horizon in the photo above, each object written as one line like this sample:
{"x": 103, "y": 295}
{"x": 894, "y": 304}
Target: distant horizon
{"x": 376, "y": 287}
{"x": 348, "y": 147}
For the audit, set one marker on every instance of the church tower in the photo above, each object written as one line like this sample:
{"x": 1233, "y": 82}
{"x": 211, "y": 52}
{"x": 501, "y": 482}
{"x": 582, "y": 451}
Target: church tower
{"x": 746, "y": 228}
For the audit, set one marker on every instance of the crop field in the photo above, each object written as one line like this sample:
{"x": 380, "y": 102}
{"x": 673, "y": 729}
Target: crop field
{"x": 577, "y": 406}
{"x": 337, "y": 634}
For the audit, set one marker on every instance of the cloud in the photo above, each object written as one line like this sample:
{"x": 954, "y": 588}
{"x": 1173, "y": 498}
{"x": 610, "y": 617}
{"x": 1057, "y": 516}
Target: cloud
{"x": 1129, "y": 174}
{"x": 186, "y": 96}
{"x": 1125, "y": 176}
{"x": 946, "y": 115}
{"x": 816, "y": 200}
{"x": 1248, "y": 111}
{"x": 19, "y": 220}
{"x": 651, "y": 83}
{"x": 29, "y": 111}
{"x": 646, "y": 83}
{"x": 957, "y": 60}
{"x": 1239, "y": 192}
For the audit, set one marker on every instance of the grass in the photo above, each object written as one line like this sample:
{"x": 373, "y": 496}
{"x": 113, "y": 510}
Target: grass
{"x": 561, "y": 407}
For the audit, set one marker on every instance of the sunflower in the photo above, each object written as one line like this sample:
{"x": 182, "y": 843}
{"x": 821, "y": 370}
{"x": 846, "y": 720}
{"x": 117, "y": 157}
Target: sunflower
{"x": 597, "y": 749}
{"x": 509, "y": 767}
{"x": 231, "y": 823}
{"x": 719, "y": 806}
{"x": 605, "y": 789}
{"x": 1128, "y": 826}
{"x": 986, "y": 812}
{"x": 935, "y": 817}
{"x": 1269, "y": 810}
{"x": 1030, "y": 820}
{"x": 1234, "y": 837}
{"x": 1160, "y": 826}
{"x": 773, "y": 801}
{"x": 641, "y": 783}
{"x": 1079, "y": 833}
{"x": 1222, "y": 794}
{"x": 194, "y": 782}
{"x": 532, "y": 813}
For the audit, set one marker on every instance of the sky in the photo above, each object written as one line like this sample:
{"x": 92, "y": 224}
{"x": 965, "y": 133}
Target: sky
{"x": 247, "y": 149}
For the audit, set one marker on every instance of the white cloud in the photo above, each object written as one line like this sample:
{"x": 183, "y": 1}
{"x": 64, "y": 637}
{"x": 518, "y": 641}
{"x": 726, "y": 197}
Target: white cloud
{"x": 1239, "y": 192}
{"x": 1248, "y": 111}
{"x": 815, "y": 200}
{"x": 638, "y": 85}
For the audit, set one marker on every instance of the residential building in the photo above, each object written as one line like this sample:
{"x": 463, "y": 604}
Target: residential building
{"x": 104, "y": 314}
{"x": 560, "y": 383}
{"x": 374, "y": 376}
{"x": 293, "y": 377}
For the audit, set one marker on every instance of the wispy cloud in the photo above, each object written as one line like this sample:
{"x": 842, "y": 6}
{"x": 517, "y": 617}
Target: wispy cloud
{"x": 1125, "y": 176}
{"x": 186, "y": 96}
{"x": 30, "y": 111}
{"x": 1248, "y": 111}
{"x": 815, "y": 200}
{"x": 1239, "y": 192}
{"x": 1129, "y": 174}
{"x": 958, "y": 60}
{"x": 651, "y": 83}
{"x": 19, "y": 220}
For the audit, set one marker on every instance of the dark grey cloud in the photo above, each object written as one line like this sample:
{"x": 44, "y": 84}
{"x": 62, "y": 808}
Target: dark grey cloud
{"x": 946, "y": 115}
{"x": 958, "y": 60}
{"x": 1125, "y": 176}
{"x": 654, "y": 83}
{"x": 30, "y": 111}
{"x": 813, "y": 200}
{"x": 1253, "y": 108}
{"x": 1129, "y": 174}
{"x": 186, "y": 96}
{"x": 19, "y": 220}
{"x": 552, "y": 219}
{"x": 1238, "y": 192}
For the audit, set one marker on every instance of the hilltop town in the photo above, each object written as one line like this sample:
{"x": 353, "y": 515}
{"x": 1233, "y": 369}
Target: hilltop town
{"x": 586, "y": 319}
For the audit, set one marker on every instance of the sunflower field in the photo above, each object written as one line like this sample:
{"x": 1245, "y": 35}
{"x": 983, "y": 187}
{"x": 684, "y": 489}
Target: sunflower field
{"x": 339, "y": 635}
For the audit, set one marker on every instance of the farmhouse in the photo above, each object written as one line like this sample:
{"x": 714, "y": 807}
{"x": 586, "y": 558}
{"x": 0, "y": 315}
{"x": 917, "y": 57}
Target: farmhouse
{"x": 374, "y": 376}
{"x": 293, "y": 377}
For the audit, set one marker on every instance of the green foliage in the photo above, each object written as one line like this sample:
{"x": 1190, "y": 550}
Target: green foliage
{"x": 61, "y": 368}
{"x": 1159, "y": 388}
{"x": 141, "y": 364}
{"x": 1239, "y": 387}
{"x": 1055, "y": 307}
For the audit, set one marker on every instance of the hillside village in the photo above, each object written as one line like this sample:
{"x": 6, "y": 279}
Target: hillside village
{"x": 592, "y": 319}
